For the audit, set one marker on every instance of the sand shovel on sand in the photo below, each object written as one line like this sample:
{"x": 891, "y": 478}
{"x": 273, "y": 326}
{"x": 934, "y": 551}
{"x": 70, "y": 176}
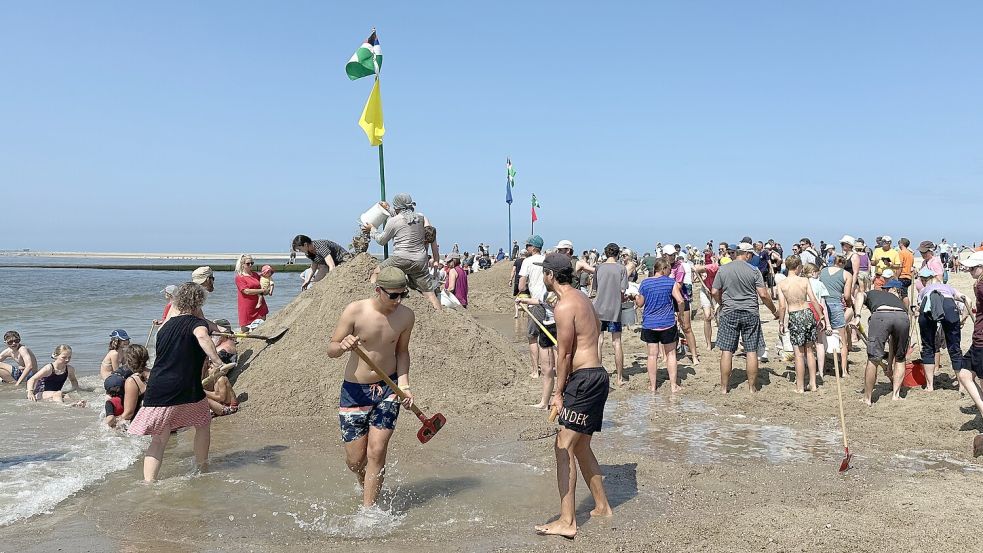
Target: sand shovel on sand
{"x": 430, "y": 426}
{"x": 835, "y": 350}
{"x": 267, "y": 339}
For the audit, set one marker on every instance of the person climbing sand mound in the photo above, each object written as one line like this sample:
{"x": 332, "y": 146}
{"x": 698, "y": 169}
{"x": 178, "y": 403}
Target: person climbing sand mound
{"x": 368, "y": 408}
{"x": 581, "y": 392}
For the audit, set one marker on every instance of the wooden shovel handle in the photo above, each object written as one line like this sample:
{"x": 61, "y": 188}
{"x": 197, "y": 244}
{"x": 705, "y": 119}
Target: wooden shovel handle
{"x": 364, "y": 356}
{"x": 539, "y": 324}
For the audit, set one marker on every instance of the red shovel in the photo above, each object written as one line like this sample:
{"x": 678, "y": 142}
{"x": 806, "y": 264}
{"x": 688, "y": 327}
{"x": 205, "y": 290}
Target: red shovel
{"x": 430, "y": 426}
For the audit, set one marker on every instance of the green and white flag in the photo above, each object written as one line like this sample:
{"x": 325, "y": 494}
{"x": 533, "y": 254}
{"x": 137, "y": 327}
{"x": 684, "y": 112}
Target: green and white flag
{"x": 367, "y": 60}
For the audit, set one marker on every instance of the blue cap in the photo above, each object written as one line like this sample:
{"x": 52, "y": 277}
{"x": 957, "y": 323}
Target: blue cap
{"x": 926, "y": 273}
{"x": 893, "y": 283}
{"x": 535, "y": 241}
{"x": 119, "y": 333}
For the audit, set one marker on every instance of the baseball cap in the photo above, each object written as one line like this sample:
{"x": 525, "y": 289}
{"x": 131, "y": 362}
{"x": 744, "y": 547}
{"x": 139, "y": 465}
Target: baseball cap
{"x": 974, "y": 260}
{"x": 888, "y": 274}
{"x": 169, "y": 289}
{"x": 847, "y": 239}
{"x": 201, "y": 274}
{"x": 886, "y": 239}
{"x": 114, "y": 380}
{"x": 119, "y": 333}
{"x": 926, "y": 245}
{"x": 535, "y": 241}
{"x": 223, "y": 323}
{"x": 668, "y": 249}
{"x": 564, "y": 244}
{"x": 893, "y": 284}
{"x": 391, "y": 277}
{"x": 925, "y": 272}
{"x": 745, "y": 247}
{"x": 830, "y": 247}
{"x": 555, "y": 262}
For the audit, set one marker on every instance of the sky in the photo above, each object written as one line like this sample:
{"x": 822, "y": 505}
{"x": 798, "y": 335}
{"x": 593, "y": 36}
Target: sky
{"x": 227, "y": 126}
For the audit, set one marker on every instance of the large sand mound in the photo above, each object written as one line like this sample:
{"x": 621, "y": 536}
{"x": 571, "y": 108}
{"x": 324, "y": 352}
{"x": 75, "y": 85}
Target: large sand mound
{"x": 491, "y": 291}
{"x": 456, "y": 366}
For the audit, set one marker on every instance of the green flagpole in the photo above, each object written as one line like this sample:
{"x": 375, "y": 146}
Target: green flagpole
{"x": 382, "y": 193}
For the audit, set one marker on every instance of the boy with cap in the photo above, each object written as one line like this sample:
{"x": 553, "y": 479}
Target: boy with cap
{"x": 368, "y": 408}
{"x": 581, "y": 392}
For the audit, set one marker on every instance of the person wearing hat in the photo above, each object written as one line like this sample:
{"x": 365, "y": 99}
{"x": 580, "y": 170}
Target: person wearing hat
{"x": 168, "y": 292}
{"x": 203, "y": 277}
{"x": 579, "y": 265}
{"x": 325, "y": 256}
{"x": 930, "y": 261}
{"x": 886, "y": 257}
{"x": 581, "y": 391}
{"x": 611, "y": 280}
{"x": 739, "y": 287}
{"x": 409, "y": 233}
{"x": 118, "y": 339}
{"x": 937, "y": 308}
{"x": 830, "y": 255}
{"x": 863, "y": 254}
{"x": 368, "y": 407}
{"x": 457, "y": 279}
{"x": 541, "y": 349}
{"x": 882, "y": 278}
{"x": 126, "y": 385}
{"x": 888, "y": 325}
{"x": 680, "y": 272}
{"x": 852, "y": 265}
{"x": 971, "y": 366}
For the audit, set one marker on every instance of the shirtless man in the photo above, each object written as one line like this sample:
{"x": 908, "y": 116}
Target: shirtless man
{"x": 369, "y": 408}
{"x": 581, "y": 391}
{"x": 795, "y": 315}
{"x": 24, "y": 362}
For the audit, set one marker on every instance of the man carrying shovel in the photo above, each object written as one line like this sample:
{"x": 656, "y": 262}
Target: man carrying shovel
{"x": 368, "y": 409}
{"x": 581, "y": 392}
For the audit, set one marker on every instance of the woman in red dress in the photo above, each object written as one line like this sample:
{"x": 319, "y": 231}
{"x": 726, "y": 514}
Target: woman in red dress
{"x": 247, "y": 282}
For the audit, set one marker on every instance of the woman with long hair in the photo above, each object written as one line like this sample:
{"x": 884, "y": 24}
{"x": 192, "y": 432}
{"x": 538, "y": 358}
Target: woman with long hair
{"x": 247, "y": 283}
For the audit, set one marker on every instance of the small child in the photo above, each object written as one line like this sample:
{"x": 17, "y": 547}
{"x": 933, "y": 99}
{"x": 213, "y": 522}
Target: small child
{"x": 266, "y": 283}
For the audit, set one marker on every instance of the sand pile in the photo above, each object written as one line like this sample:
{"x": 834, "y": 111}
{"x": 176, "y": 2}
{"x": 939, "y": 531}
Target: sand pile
{"x": 456, "y": 366}
{"x": 491, "y": 291}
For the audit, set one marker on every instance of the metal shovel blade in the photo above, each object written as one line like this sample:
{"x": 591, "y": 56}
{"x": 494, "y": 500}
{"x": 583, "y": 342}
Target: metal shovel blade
{"x": 430, "y": 427}
{"x": 845, "y": 464}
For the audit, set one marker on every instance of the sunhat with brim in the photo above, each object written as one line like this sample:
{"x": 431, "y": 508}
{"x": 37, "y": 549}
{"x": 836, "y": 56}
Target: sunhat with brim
{"x": 974, "y": 260}
{"x": 830, "y": 247}
{"x": 564, "y": 244}
{"x": 925, "y": 272}
{"x": 893, "y": 284}
{"x": 847, "y": 239}
{"x": 926, "y": 245}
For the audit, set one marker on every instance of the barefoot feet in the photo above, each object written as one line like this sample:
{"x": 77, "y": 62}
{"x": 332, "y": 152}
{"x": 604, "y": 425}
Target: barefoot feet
{"x": 557, "y": 528}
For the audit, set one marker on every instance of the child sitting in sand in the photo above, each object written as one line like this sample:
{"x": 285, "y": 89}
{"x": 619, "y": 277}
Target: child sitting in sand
{"x": 50, "y": 379}
{"x": 266, "y": 283}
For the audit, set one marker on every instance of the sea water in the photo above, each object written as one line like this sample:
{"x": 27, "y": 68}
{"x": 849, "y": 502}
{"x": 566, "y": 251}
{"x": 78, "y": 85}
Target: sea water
{"x": 50, "y": 452}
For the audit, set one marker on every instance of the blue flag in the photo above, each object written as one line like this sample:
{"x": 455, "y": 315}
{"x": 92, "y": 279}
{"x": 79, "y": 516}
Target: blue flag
{"x": 509, "y": 180}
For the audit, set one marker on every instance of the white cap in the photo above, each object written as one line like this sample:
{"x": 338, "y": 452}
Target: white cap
{"x": 745, "y": 247}
{"x": 888, "y": 273}
{"x": 564, "y": 244}
{"x": 886, "y": 239}
{"x": 668, "y": 249}
{"x": 847, "y": 239}
{"x": 974, "y": 260}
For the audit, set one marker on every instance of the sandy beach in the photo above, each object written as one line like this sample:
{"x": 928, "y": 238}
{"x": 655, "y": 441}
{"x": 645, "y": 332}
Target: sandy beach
{"x": 694, "y": 471}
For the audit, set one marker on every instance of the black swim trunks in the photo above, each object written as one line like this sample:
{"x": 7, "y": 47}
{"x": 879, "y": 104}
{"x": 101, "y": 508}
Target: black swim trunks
{"x": 584, "y": 397}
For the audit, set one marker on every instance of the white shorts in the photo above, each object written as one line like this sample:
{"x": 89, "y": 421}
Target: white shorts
{"x": 704, "y": 299}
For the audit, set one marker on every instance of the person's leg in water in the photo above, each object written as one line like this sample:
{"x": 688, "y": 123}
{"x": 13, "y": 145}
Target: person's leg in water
{"x": 672, "y": 364}
{"x": 203, "y": 439}
{"x": 6, "y": 373}
{"x": 355, "y": 457}
{"x": 377, "y": 447}
{"x": 590, "y": 469}
{"x": 154, "y": 456}
{"x": 565, "y": 447}
{"x": 652, "y": 363}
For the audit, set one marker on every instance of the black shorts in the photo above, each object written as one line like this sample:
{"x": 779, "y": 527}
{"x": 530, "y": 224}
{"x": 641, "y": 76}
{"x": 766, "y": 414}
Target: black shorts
{"x": 666, "y": 336}
{"x": 584, "y": 397}
{"x": 544, "y": 340}
{"x": 769, "y": 278}
{"x": 973, "y": 361}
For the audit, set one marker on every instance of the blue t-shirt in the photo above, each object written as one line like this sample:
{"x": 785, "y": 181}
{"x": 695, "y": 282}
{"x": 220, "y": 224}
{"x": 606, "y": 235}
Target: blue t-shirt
{"x": 659, "y": 310}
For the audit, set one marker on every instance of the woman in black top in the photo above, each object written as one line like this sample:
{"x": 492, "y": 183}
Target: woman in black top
{"x": 174, "y": 397}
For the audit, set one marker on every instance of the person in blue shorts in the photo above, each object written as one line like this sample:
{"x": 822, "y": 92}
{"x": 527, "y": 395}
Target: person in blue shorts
{"x": 368, "y": 408}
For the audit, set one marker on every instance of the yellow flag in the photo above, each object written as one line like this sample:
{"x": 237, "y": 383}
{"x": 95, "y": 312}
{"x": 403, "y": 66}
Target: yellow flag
{"x": 371, "y": 121}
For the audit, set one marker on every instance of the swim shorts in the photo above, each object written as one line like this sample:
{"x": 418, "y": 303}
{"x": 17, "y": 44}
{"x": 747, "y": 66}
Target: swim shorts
{"x": 364, "y": 405}
{"x": 610, "y": 326}
{"x": 733, "y": 326}
{"x": 417, "y": 273}
{"x": 664, "y": 336}
{"x": 544, "y": 340}
{"x": 973, "y": 361}
{"x": 887, "y": 330}
{"x": 15, "y": 372}
{"x": 584, "y": 397}
{"x": 801, "y": 327}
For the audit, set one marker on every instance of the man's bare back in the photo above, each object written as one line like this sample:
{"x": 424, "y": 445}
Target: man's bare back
{"x": 378, "y": 333}
{"x": 575, "y": 309}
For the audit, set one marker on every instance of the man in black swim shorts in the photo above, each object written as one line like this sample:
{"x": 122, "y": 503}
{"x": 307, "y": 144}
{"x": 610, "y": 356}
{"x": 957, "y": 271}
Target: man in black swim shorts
{"x": 581, "y": 391}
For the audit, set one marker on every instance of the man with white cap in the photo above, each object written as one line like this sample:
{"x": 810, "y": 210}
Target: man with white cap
{"x": 203, "y": 276}
{"x": 579, "y": 265}
{"x": 886, "y": 257}
{"x": 685, "y": 321}
{"x": 541, "y": 348}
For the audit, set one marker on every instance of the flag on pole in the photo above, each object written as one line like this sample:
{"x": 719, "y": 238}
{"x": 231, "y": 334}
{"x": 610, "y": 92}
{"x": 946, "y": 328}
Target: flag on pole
{"x": 367, "y": 60}
{"x": 371, "y": 120}
{"x": 509, "y": 180}
{"x": 535, "y": 204}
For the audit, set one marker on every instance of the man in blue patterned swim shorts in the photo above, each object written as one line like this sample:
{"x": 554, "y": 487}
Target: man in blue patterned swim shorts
{"x": 368, "y": 407}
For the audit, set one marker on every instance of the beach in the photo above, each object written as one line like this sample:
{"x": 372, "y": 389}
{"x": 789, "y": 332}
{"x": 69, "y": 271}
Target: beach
{"x": 694, "y": 471}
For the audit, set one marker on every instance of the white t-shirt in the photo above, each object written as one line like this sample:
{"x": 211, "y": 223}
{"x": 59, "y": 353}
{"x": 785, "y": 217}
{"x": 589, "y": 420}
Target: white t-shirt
{"x": 688, "y": 273}
{"x": 534, "y": 279}
{"x": 945, "y": 247}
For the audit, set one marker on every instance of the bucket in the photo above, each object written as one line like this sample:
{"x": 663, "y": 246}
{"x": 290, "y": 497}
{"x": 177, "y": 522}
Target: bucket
{"x": 914, "y": 374}
{"x": 375, "y": 216}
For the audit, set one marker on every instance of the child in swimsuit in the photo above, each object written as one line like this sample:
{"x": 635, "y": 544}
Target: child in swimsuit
{"x": 50, "y": 379}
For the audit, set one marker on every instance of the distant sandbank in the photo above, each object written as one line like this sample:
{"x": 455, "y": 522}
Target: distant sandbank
{"x": 143, "y": 255}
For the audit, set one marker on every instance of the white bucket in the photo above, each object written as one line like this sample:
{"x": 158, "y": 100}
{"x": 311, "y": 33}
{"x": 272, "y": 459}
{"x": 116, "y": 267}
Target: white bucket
{"x": 375, "y": 216}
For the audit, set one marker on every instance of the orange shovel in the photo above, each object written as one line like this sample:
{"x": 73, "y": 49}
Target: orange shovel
{"x": 430, "y": 426}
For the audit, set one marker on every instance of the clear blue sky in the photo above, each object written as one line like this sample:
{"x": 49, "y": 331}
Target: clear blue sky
{"x": 231, "y": 126}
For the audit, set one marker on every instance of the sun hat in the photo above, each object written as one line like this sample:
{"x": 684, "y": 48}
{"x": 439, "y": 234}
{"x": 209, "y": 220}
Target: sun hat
{"x": 668, "y": 249}
{"x": 564, "y": 244}
{"x": 266, "y": 271}
{"x": 554, "y": 262}
{"x": 974, "y": 260}
{"x": 169, "y": 289}
{"x": 830, "y": 247}
{"x": 847, "y": 239}
{"x": 119, "y": 333}
{"x": 888, "y": 274}
{"x": 201, "y": 274}
{"x": 535, "y": 241}
{"x": 391, "y": 277}
{"x": 745, "y": 247}
{"x": 925, "y": 272}
{"x": 926, "y": 245}
{"x": 893, "y": 284}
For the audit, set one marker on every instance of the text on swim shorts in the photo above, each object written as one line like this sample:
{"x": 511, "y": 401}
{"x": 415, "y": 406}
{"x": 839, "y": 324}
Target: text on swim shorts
{"x": 574, "y": 417}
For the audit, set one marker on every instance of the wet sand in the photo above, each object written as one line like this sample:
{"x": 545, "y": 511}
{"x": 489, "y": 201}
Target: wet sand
{"x": 698, "y": 471}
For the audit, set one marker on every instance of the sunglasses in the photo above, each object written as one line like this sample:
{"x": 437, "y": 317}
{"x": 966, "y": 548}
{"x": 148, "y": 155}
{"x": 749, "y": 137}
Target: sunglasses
{"x": 393, "y": 295}
{"x": 12, "y": 342}
{"x": 248, "y": 263}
